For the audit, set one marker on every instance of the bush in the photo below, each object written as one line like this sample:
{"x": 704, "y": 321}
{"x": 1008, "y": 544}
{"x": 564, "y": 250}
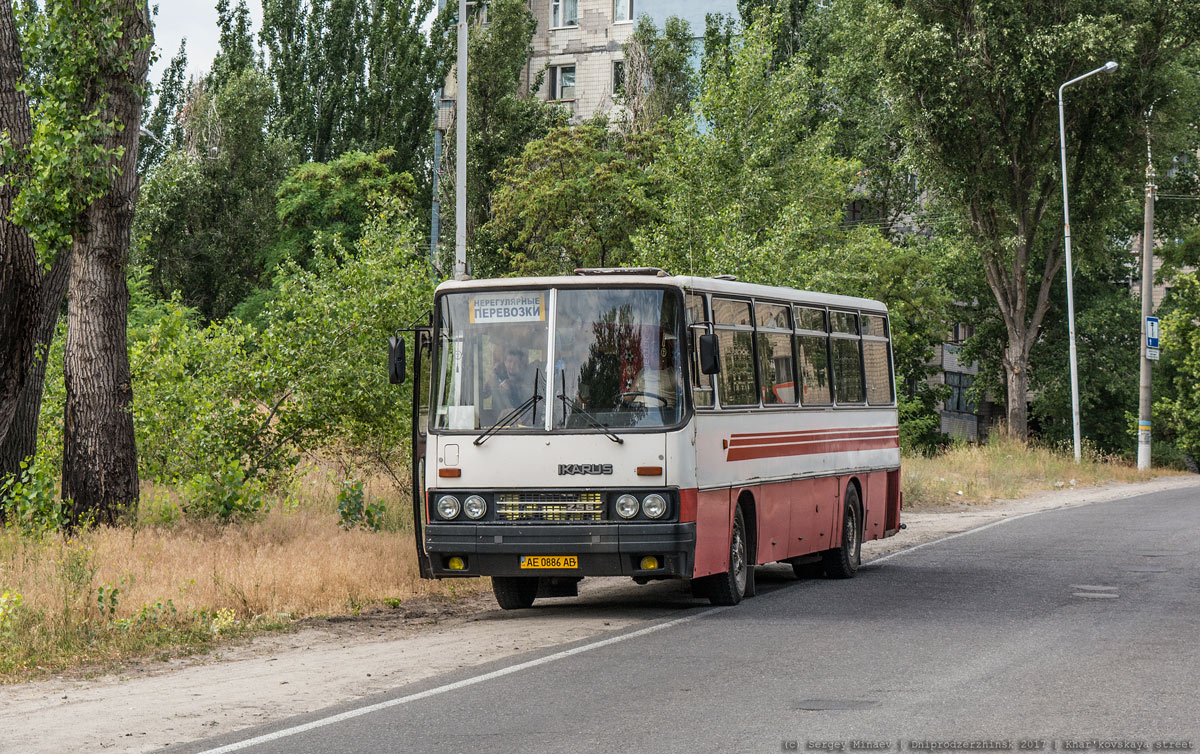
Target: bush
{"x": 29, "y": 499}
{"x": 353, "y": 510}
{"x": 920, "y": 422}
{"x": 225, "y": 494}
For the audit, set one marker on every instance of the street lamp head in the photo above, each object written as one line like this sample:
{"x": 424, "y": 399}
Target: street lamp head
{"x": 1110, "y": 66}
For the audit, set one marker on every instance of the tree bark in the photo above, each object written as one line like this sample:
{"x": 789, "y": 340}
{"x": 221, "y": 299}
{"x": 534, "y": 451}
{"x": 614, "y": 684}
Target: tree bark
{"x": 99, "y": 454}
{"x": 21, "y": 441}
{"x": 20, "y": 290}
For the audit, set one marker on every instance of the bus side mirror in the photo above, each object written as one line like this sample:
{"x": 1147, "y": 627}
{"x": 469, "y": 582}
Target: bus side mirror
{"x": 396, "y": 361}
{"x": 710, "y": 354}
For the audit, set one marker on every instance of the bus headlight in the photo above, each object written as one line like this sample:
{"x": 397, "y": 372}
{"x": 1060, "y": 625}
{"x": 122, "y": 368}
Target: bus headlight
{"x": 475, "y": 506}
{"x": 627, "y": 506}
{"x": 448, "y": 506}
{"x": 654, "y": 506}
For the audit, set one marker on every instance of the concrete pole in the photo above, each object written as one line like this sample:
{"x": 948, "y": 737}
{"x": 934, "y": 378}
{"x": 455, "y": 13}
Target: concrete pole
{"x": 1143, "y": 454}
{"x": 435, "y": 221}
{"x": 1062, "y": 140}
{"x": 460, "y": 154}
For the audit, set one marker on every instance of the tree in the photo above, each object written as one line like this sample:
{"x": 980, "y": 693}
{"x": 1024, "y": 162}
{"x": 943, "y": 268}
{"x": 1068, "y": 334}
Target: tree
{"x": 206, "y": 222}
{"x": 975, "y": 88}
{"x": 320, "y": 200}
{"x": 99, "y": 455}
{"x": 20, "y": 276}
{"x": 658, "y": 74}
{"x": 573, "y": 198}
{"x": 162, "y": 123}
{"x": 753, "y": 189}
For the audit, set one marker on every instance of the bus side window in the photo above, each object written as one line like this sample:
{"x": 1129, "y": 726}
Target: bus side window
{"x": 777, "y": 385}
{"x": 876, "y": 361}
{"x": 702, "y": 390}
{"x": 847, "y": 358}
{"x": 812, "y": 354}
{"x": 735, "y": 334}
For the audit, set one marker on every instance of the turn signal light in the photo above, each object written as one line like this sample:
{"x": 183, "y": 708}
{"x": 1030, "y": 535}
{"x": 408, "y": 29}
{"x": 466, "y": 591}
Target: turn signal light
{"x": 649, "y": 470}
{"x": 449, "y": 472}
{"x": 455, "y": 564}
{"x": 649, "y": 563}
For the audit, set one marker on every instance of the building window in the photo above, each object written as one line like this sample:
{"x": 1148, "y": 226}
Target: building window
{"x": 959, "y": 384}
{"x": 564, "y": 13}
{"x": 622, "y": 10}
{"x": 478, "y": 10}
{"x": 561, "y": 82}
{"x": 618, "y": 77}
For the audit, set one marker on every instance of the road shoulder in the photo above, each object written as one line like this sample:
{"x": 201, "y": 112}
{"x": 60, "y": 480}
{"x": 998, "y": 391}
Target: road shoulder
{"x": 152, "y": 705}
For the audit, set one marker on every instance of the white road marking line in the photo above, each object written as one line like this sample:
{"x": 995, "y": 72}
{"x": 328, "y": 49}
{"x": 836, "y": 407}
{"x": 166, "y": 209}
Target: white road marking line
{"x": 1096, "y": 595}
{"x": 351, "y": 714}
{"x": 359, "y": 712}
{"x": 1093, "y": 588}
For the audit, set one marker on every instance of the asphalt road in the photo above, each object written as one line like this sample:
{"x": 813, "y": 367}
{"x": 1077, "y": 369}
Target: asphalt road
{"x": 1072, "y": 629}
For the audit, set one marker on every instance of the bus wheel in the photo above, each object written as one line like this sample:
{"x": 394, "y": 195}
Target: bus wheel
{"x": 728, "y": 588}
{"x": 514, "y": 592}
{"x": 843, "y": 562}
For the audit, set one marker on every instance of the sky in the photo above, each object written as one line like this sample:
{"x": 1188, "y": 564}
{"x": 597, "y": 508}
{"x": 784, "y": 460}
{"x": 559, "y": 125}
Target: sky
{"x": 197, "y": 21}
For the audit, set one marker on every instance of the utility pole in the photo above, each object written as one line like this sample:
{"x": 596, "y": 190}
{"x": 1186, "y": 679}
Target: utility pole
{"x": 460, "y": 156}
{"x": 1143, "y": 453}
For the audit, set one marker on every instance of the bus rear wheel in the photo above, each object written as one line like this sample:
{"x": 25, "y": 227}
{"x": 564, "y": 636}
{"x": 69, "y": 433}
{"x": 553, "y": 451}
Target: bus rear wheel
{"x": 842, "y": 562}
{"x": 728, "y": 588}
{"x": 514, "y": 592}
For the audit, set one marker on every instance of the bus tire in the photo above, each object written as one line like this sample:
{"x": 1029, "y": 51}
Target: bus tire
{"x": 842, "y": 562}
{"x": 515, "y": 592}
{"x": 728, "y": 588}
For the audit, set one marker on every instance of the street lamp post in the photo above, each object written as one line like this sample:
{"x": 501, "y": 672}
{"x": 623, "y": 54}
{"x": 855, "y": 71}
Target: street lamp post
{"x": 1108, "y": 67}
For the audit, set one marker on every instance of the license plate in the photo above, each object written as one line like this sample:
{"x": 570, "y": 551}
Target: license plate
{"x": 549, "y": 561}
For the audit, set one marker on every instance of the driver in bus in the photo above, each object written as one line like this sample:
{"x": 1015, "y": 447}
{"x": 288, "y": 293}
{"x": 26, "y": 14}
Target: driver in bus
{"x": 511, "y": 387}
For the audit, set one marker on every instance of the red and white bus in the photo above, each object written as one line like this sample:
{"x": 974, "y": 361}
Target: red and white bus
{"x": 633, "y": 423}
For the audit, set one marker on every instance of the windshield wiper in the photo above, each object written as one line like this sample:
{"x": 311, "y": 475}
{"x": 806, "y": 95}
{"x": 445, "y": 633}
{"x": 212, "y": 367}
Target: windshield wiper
{"x": 515, "y": 414}
{"x": 596, "y": 423}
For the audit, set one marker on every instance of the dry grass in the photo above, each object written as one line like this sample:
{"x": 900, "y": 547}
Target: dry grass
{"x": 1007, "y": 469}
{"x": 187, "y": 584}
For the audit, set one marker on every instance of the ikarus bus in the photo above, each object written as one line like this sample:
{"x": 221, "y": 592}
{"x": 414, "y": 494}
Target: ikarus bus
{"x": 626, "y": 422}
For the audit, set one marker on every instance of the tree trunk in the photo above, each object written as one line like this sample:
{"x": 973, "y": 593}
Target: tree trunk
{"x": 1016, "y": 378}
{"x": 20, "y": 290}
{"x": 99, "y": 455}
{"x": 21, "y": 441}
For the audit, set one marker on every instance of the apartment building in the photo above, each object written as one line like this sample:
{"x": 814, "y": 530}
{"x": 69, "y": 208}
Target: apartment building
{"x": 580, "y": 45}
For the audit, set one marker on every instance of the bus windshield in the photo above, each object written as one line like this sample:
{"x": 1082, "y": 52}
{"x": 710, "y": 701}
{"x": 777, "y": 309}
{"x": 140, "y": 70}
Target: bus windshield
{"x": 599, "y": 356}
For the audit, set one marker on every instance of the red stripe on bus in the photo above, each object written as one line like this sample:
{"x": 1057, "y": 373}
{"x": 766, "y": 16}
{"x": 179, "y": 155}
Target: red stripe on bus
{"x": 810, "y": 437}
{"x": 780, "y": 450}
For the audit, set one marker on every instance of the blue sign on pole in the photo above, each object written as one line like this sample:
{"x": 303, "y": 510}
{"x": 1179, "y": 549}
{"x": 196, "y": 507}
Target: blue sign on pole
{"x": 1151, "y": 332}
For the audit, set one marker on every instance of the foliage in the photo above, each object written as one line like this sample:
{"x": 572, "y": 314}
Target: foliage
{"x": 353, "y": 74}
{"x": 920, "y": 421}
{"x": 206, "y": 216}
{"x": 333, "y": 198}
{"x": 30, "y": 500}
{"x": 354, "y": 510}
{"x": 1176, "y": 389}
{"x": 752, "y": 189}
{"x": 658, "y": 75}
{"x": 67, "y": 47}
{"x": 229, "y": 391}
{"x": 573, "y": 198}
{"x": 225, "y": 493}
{"x": 10, "y": 604}
{"x": 974, "y": 88}
{"x": 162, "y": 123}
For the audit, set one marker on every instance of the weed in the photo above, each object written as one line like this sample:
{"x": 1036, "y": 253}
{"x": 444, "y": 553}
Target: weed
{"x": 353, "y": 510}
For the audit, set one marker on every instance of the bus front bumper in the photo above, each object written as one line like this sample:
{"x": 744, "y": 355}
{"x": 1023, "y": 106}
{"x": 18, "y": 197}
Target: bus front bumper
{"x": 610, "y": 549}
